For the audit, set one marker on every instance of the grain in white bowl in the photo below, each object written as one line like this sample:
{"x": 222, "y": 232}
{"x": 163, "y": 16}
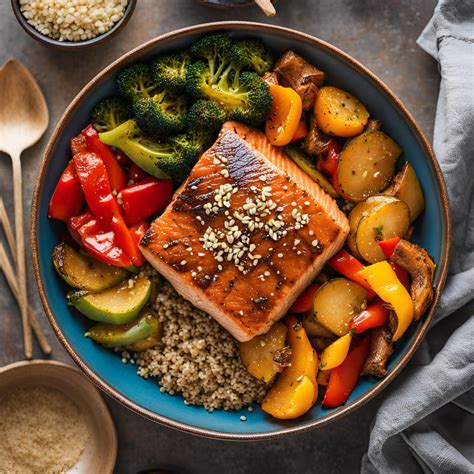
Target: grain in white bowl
{"x": 72, "y": 20}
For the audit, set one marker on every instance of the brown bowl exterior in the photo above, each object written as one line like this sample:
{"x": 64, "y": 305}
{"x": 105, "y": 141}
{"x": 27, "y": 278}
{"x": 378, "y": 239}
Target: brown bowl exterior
{"x": 71, "y": 45}
{"x": 440, "y": 185}
{"x": 101, "y": 449}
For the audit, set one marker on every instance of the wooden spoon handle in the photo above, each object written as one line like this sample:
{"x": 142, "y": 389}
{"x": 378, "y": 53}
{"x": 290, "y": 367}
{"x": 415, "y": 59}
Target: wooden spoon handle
{"x": 266, "y": 6}
{"x": 11, "y": 280}
{"x": 20, "y": 254}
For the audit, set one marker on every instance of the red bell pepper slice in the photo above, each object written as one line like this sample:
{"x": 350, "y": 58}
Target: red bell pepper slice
{"x": 344, "y": 377}
{"x": 301, "y": 131}
{"x": 78, "y": 144}
{"x": 117, "y": 177}
{"x": 388, "y": 247}
{"x": 328, "y": 163}
{"x": 123, "y": 159}
{"x": 92, "y": 173}
{"x": 103, "y": 245}
{"x": 304, "y": 302}
{"x": 136, "y": 173}
{"x": 137, "y": 232}
{"x": 78, "y": 221}
{"x": 374, "y": 316}
{"x": 146, "y": 198}
{"x": 68, "y": 198}
{"x": 346, "y": 264}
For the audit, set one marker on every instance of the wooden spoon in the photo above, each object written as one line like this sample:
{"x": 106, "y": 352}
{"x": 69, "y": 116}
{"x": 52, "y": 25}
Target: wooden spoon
{"x": 23, "y": 121}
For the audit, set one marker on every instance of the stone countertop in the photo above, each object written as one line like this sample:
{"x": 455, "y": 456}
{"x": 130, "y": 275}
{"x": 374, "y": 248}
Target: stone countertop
{"x": 379, "y": 34}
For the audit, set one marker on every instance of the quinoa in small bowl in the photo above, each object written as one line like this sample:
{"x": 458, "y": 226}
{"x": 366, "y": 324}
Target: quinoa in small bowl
{"x": 73, "y": 24}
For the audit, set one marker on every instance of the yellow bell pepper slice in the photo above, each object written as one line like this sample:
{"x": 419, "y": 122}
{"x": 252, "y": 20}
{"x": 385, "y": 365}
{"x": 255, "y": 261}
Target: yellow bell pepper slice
{"x": 285, "y": 402}
{"x": 385, "y": 283}
{"x": 335, "y": 353}
{"x": 291, "y": 396}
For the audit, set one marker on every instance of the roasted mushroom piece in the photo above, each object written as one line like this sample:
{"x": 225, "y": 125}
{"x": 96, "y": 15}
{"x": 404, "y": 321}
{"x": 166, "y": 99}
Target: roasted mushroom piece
{"x": 295, "y": 72}
{"x": 416, "y": 261}
{"x": 316, "y": 142}
{"x": 381, "y": 347}
{"x": 271, "y": 78}
{"x": 282, "y": 358}
{"x": 372, "y": 125}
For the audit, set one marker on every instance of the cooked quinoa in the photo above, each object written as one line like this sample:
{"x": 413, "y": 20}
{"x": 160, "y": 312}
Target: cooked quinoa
{"x": 73, "y": 20}
{"x": 197, "y": 358}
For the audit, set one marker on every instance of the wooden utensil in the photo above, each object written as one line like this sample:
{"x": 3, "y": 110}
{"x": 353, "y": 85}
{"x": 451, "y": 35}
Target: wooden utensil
{"x": 7, "y": 268}
{"x": 266, "y": 6}
{"x": 23, "y": 121}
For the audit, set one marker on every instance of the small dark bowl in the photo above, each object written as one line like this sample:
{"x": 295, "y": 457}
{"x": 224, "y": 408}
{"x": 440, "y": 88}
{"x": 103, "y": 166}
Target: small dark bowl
{"x": 73, "y": 45}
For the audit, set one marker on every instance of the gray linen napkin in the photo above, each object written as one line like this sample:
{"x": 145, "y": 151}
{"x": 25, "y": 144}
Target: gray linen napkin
{"x": 426, "y": 422}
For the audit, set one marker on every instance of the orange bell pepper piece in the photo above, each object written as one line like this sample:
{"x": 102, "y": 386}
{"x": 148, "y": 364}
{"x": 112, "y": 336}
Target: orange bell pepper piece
{"x": 285, "y": 115}
{"x": 301, "y": 131}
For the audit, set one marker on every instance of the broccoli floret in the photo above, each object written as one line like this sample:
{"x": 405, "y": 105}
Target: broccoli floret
{"x": 257, "y": 99}
{"x": 110, "y": 113}
{"x": 162, "y": 115}
{"x": 136, "y": 82}
{"x": 198, "y": 139}
{"x": 162, "y": 159}
{"x": 169, "y": 71}
{"x": 255, "y": 55}
{"x": 242, "y": 95}
{"x": 205, "y": 115}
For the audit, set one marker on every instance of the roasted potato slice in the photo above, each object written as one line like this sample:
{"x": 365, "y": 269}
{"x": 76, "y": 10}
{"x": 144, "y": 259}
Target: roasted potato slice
{"x": 337, "y": 302}
{"x": 362, "y": 209}
{"x": 406, "y": 187}
{"x": 339, "y": 113}
{"x": 366, "y": 165}
{"x": 383, "y": 222}
{"x": 416, "y": 261}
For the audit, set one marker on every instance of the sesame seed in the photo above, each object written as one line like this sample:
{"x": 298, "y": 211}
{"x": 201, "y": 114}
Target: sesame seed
{"x": 183, "y": 262}
{"x": 243, "y": 418}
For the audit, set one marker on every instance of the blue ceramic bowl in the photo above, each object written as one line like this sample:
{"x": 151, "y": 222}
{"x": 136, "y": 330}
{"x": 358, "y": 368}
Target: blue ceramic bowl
{"x": 105, "y": 367}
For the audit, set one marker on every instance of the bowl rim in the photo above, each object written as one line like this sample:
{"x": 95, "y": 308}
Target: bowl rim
{"x": 73, "y": 45}
{"x": 423, "y": 141}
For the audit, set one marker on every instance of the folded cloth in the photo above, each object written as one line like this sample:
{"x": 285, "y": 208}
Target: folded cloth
{"x": 426, "y": 421}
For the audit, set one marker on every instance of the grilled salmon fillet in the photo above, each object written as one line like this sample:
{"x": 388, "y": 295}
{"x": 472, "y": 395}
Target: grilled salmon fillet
{"x": 245, "y": 233}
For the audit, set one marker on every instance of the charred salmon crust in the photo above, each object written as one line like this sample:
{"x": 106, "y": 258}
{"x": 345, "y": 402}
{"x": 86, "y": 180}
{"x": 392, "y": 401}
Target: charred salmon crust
{"x": 245, "y": 233}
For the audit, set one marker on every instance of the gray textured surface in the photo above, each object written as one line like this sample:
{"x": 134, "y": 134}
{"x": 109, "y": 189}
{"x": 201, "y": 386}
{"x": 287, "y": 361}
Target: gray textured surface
{"x": 382, "y": 36}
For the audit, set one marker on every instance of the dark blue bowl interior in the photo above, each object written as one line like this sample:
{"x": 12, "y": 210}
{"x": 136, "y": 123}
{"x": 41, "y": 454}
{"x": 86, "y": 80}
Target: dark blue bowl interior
{"x": 106, "y": 364}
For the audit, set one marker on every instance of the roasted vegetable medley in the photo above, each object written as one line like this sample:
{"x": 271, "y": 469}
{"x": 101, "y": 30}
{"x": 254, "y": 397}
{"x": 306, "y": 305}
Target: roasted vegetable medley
{"x": 142, "y": 144}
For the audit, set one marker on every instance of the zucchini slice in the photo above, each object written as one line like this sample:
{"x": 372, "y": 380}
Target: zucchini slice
{"x": 83, "y": 271}
{"x": 337, "y": 302}
{"x": 387, "y": 220}
{"x": 145, "y": 325}
{"x": 117, "y": 305}
{"x": 309, "y": 167}
{"x": 366, "y": 165}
